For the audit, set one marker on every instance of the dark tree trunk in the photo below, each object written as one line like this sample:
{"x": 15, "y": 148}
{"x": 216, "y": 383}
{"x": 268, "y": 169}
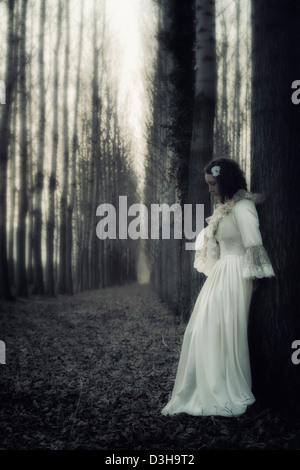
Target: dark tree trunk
{"x": 5, "y": 289}
{"x": 237, "y": 88}
{"x": 30, "y": 165}
{"x": 39, "y": 177}
{"x": 50, "y": 278}
{"x": 21, "y": 276}
{"x": 12, "y": 162}
{"x": 95, "y": 118}
{"x": 64, "y": 250}
{"x": 204, "y": 103}
{"x": 167, "y": 174}
{"x": 203, "y": 133}
{"x": 274, "y": 316}
{"x": 72, "y": 202}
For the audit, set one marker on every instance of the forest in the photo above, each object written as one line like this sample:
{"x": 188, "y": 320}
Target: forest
{"x": 104, "y": 99}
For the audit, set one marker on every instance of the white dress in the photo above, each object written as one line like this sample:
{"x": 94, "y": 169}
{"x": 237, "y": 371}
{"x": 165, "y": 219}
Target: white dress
{"x": 214, "y": 376}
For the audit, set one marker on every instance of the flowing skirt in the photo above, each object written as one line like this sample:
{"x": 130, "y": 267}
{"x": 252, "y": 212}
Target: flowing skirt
{"x": 214, "y": 376}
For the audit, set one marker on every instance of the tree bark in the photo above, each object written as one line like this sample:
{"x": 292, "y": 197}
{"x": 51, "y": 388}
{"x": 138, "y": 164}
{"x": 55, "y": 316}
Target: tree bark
{"x": 5, "y": 110}
{"x": 94, "y": 152}
{"x": 64, "y": 250}
{"x": 13, "y": 193}
{"x": 72, "y": 201}
{"x": 21, "y": 276}
{"x": 50, "y": 278}
{"x": 204, "y": 103}
{"x": 274, "y": 316}
{"x": 222, "y": 143}
{"x": 237, "y": 88}
{"x": 38, "y": 280}
{"x": 12, "y": 160}
{"x": 203, "y": 134}
{"x": 30, "y": 172}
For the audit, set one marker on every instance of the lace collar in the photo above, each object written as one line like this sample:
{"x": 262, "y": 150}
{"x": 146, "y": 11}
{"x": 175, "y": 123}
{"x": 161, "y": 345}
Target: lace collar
{"x": 225, "y": 208}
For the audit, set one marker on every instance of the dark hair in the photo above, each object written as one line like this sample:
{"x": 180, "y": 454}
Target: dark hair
{"x": 230, "y": 179}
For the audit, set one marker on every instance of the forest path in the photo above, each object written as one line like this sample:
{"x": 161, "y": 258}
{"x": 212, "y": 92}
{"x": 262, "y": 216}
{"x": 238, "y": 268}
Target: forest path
{"x": 92, "y": 371}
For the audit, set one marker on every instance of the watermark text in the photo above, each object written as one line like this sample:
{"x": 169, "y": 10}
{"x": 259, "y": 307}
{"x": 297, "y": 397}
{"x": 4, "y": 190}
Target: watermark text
{"x": 161, "y": 225}
{"x": 2, "y": 353}
{"x": 296, "y": 354}
{"x": 296, "y": 94}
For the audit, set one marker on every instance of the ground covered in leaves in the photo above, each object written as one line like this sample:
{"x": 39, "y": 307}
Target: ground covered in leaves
{"x": 92, "y": 371}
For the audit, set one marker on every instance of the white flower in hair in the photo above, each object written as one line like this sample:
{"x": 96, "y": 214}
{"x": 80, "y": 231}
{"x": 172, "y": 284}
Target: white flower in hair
{"x": 215, "y": 171}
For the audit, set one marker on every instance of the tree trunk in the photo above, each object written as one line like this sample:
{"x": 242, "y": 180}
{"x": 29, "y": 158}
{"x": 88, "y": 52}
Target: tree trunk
{"x": 50, "y": 278}
{"x": 203, "y": 133}
{"x": 30, "y": 172}
{"x": 221, "y": 135}
{"x": 64, "y": 251}
{"x": 12, "y": 161}
{"x": 5, "y": 110}
{"x": 71, "y": 205}
{"x": 21, "y": 276}
{"x": 237, "y": 88}
{"x": 13, "y": 193}
{"x": 94, "y": 150}
{"x": 38, "y": 280}
{"x": 12, "y": 165}
{"x": 274, "y": 316}
{"x": 224, "y": 103}
{"x": 204, "y": 104}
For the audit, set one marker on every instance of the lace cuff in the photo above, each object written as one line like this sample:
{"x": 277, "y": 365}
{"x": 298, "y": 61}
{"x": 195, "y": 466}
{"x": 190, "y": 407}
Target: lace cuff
{"x": 257, "y": 263}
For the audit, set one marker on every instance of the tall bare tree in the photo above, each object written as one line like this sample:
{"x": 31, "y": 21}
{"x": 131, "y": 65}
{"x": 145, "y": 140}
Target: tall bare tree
{"x": 30, "y": 165}
{"x": 95, "y": 142}
{"x": 38, "y": 287}
{"x": 222, "y": 127}
{"x": 21, "y": 276}
{"x": 205, "y": 102}
{"x": 72, "y": 199}
{"x": 50, "y": 278}
{"x": 5, "y": 110}
{"x": 167, "y": 175}
{"x": 237, "y": 87}
{"x": 203, "y": 130}
{"x": 13, "y": 156}
{"x": 64, "y": 253}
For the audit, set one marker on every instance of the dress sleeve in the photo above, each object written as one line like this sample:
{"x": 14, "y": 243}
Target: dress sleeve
{"x": 256, "y": 260}
{"x": 207, "y": 252}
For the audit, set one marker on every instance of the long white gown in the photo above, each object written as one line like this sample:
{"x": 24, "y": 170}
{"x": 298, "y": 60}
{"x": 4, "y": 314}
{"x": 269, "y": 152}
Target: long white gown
{"x": 214, "y": 376}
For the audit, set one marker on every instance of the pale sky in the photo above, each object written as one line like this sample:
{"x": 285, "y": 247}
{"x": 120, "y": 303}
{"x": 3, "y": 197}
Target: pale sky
{"x": 133, "y": 25}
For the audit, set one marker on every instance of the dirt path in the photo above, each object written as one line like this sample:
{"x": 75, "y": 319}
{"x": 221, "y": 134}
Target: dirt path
{"x": 92, "y": 371}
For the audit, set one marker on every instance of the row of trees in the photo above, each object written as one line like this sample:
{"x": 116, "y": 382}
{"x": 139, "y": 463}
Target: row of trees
{"x": 199, "y": 111}
{"x": 64, "y": 150}
{"x": 211, "y": 98}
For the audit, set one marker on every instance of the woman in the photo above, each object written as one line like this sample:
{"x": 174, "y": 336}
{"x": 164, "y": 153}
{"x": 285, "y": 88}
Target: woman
{"x": 214, "y": 376}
